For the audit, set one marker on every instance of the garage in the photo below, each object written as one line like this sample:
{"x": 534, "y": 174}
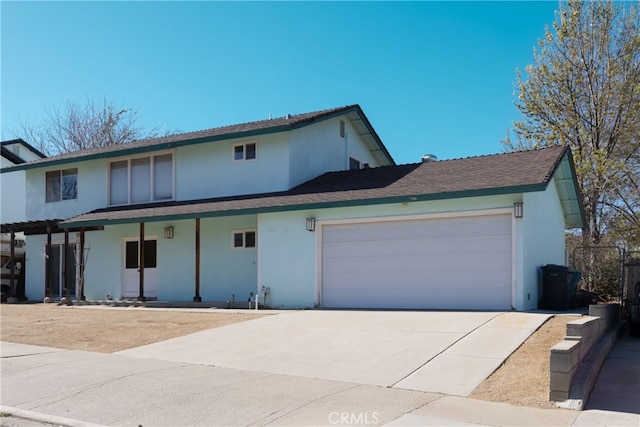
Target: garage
{"x": 443, "y": 263}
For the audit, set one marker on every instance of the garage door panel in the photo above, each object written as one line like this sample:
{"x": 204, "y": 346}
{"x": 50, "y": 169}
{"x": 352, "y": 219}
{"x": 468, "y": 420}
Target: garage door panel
{"x": 438, "y": 246}
{"x": 442, "y": 263}
{"x": 398, "y": 279}
{"x": 417, "y": 298}
{"x": 407, "y": 230}
{"x": 429, "y": 263}
{"x": 435, "y": 264}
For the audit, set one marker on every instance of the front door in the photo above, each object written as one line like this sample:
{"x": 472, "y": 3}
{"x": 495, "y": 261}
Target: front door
{"x": 131, "y": 273}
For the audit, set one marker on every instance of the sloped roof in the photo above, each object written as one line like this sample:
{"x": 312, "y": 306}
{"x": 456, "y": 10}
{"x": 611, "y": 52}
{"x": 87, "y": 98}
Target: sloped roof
{"x": 241, "y": 130}
{"x": 11, "y": 156}
{"x": 14, "y": 158}
{"x": 475, "y": 176}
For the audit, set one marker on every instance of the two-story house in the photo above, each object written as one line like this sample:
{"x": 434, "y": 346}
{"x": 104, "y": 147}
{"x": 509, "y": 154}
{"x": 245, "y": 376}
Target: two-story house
{"x": 306, "y": 210}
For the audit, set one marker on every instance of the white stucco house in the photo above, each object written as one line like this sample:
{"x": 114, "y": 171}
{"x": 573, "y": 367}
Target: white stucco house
{"x": 310, "y": 208}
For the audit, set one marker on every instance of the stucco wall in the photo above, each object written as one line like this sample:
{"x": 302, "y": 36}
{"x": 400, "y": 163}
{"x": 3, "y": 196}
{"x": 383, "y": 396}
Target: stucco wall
{"x": 320, "y": 148}
{"x": 225, "y": 271}
{"x": 13, "y": 199}
{"x": 289, "y": 256}
{"x": 287, "y": 259}
{"x": 543, "y": 242}
{"x": 208, "y": 170}
{"x": 92, "y": 191}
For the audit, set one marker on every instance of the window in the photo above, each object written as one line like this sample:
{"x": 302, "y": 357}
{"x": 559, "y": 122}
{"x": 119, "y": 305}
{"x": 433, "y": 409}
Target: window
{"x": 246, "y": 151}
{"x": 61, "y": 185}
{"x": 132, "y": 258}
{"x": 244, "y": 239}
{"x": 140, "y": 180}
{"x": 354, "y": 164}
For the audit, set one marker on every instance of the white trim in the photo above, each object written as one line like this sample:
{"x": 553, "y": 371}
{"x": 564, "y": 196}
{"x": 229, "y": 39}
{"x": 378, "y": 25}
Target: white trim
{"x": 438, "y": 215}
{"x": 318, "y": 265}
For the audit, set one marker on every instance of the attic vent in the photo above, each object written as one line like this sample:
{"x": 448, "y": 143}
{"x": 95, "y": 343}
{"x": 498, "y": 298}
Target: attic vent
{"x": 429, "y": 158}
{"x": 342, "y": 128}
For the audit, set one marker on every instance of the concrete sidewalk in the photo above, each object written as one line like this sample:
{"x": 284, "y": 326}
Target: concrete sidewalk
{"x": 618, "y": 385}
{"x": 81, "y": 388}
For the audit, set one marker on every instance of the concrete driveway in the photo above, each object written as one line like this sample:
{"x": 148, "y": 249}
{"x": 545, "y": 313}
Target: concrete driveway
{"x": 442, "y": 352}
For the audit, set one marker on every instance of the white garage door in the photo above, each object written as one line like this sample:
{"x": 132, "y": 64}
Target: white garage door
{"x": 456, "y": 263}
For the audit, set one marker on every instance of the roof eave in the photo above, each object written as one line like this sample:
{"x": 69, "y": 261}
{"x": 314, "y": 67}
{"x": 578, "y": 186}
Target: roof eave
{"x": 143, "y": 149}
{"x": 128, "y": 151}
{"x": 304, "y": 206}
{"x": 571, "y": 201}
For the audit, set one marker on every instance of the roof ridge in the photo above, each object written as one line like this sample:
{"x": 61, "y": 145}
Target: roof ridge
{"x": 479, "y": 156}
{"x": 295, "y": 118}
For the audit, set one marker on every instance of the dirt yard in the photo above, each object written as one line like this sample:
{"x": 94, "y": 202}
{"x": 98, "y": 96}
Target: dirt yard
{"x": 105, "y": 329}
{"x": 523, "y": 380}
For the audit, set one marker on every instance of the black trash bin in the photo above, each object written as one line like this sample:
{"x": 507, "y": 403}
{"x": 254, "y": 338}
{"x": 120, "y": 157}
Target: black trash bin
{"x": 558, "y": 287}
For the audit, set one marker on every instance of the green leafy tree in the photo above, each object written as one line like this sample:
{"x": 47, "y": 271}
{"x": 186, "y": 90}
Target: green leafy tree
{"x": 583, "y": 90}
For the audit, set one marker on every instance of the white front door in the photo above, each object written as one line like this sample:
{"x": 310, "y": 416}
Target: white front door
{"x": 131, "y": 272}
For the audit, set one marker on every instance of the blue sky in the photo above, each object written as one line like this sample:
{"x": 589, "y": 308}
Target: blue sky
{"x": 432, "y": 77}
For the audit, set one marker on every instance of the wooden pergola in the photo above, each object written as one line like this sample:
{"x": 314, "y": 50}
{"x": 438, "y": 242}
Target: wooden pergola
{"x": 48, "y": 227}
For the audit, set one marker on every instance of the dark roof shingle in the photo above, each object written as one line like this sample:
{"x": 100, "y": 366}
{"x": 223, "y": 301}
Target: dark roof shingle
{"x": 287, "y": 122}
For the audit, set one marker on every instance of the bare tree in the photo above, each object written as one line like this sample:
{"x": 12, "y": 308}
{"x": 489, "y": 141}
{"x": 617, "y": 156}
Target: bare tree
{"x": 79, "y": 126}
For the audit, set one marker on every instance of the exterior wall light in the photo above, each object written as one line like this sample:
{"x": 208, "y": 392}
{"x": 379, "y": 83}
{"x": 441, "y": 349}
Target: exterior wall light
{"x": 168, "y": 232}
{"x": 518, "y": 209}
{"x": 311, "y": 224}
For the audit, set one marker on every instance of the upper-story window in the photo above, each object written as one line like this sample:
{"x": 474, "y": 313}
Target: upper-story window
{"x": 245, "y": 151}
{"x": 141, "y": 179}
{"x": 61, "y": 185}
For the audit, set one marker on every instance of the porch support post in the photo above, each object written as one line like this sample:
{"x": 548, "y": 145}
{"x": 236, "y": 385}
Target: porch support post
{"x": 65, "y": 282}
{"x": 12, "y": 277}
{"x": 197, "y": 298}
{"x": 47, "y": 269}
{"x": 141, "y": 297}
{"x": 81, "y": 262}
